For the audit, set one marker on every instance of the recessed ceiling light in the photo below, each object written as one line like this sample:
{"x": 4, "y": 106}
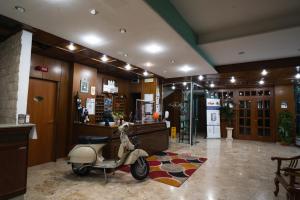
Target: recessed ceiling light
{"x": 185, "y": 68}
{"x": 232, "y": 80}
{"x": 241, "y": 52}
{"x": 187, "y": 88}
{"x": 128, "y": 67}
{"x": 145, "y": 73}
{"x": 200, "y": 77}
{"x": 261, "y": 82}
{"x": 125, "y": 55}
{"x": 153, "y": 48}
{"x": 123, "y": 30}
{"x": 184, "y": 83}
{"x": 93, "y": 12}
{"x": 148, "y": 64}
{"x": 173, "y": 87}
{"x": 297, "y": 76}
{"x": 20, "y": 9}
{"x": 71, "y": 47}
{"x": 104, "y": 58}
{"x": 92, "y": 39}
{"x": 212, "y": 85}
{"x": 172, "y": 61}
{"x": 264, "y": 72}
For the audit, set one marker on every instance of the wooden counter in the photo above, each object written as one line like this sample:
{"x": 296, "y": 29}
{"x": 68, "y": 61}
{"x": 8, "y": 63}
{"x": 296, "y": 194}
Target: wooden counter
{"x": 13, "y": 159}
{"x": 152, "y": 137}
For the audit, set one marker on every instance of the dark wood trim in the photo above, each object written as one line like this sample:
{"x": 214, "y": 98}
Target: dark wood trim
{"x": 259, "y": 65}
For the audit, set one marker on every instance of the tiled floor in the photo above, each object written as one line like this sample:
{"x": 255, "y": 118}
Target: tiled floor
{"x": 238, "y": 170}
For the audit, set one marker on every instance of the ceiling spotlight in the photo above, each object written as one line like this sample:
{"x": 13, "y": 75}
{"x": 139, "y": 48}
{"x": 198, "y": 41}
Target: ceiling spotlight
{"x": 211, "y": 85}
{"x": 264, "y": 72}
{"x": 184, "y": 83}
{"x": 232, "y": 80}
{"x": 125, "y": 55}
{"x": 71, "y": 47}
{"x": 20, "y": 9}
{"x": 172, "y": 61}
{"x": 261, "y": 82}
{"x": 297, "y": 76}
{"x": 173, "y": 87}
{"x": 200, "y": 77}
{"x": 93, "y": 12}
{"x": 123, "y": 30}
{"x": 153, "y": 48}
{"x": 185, "y": 68}
{"x": 128, "y": 67}
{"x": 104, "y": 58}
{"x": 145, "y": 73}
{"x": 148, "y": 64}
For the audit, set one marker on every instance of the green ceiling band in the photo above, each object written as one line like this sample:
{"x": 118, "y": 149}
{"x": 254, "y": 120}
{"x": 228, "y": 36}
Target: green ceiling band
{"x": 169, "y": 13}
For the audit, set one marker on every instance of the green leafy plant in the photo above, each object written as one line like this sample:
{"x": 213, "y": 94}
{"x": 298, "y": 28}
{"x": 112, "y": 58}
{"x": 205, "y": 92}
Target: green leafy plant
{"x": 227, "y": 112}
{"x": 285, "y": 126}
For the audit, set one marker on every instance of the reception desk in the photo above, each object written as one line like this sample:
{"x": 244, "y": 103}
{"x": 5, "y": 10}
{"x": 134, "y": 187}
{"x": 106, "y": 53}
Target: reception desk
{"x": 152, "y": 137}
{"x": 13, "y": 159}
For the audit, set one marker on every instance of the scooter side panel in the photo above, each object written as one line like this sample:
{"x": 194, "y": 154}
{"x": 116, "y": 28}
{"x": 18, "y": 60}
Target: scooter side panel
{"x": 83, "y": 154}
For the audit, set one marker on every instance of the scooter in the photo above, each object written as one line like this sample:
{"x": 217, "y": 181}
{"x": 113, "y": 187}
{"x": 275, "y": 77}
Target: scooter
{"x": 87, "y": 155}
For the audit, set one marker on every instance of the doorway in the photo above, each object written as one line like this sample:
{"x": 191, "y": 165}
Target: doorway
{"x": 132, "y": 105}
{"x": 256, "y": 115}
{"x": 41, "y": 106}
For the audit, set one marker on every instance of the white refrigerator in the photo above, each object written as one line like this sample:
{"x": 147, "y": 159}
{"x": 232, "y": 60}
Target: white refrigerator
{"x": 213, "y": 118}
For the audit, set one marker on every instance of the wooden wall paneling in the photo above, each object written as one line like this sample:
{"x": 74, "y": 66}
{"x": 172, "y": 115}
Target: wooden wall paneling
{"x": 64, "y": 110}
{"x": 284, "y": 93}
{"x": 59, "y": 71}
{"x": 80, "y": 72}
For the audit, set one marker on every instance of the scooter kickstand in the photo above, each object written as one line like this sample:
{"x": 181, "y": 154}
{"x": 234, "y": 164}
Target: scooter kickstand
{"x": 105, "y": 175}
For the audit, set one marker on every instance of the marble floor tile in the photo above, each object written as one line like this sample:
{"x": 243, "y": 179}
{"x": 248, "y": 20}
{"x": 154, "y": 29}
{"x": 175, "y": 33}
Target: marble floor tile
{"x": 238, "y": 170}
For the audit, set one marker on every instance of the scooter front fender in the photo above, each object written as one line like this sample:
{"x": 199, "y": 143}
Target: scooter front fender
{"x": 134, "y": 155}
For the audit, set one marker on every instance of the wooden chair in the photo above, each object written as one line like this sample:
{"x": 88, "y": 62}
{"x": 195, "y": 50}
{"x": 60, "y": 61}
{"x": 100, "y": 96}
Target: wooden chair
{"x": 288, "y": 177}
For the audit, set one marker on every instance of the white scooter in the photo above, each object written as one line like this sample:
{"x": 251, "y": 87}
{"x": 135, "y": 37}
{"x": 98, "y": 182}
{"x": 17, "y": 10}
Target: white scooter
{"x": 88, "y": 155}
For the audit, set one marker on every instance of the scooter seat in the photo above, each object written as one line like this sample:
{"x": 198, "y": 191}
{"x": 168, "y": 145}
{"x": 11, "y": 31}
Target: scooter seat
{"x": 92, "y": 140}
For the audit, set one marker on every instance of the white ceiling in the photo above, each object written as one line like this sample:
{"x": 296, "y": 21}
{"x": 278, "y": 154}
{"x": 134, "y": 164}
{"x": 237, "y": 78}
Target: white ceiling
{"x": 266, "y": 46}
{"x": 263, "y": 29}
{"x": 71, "y": 20}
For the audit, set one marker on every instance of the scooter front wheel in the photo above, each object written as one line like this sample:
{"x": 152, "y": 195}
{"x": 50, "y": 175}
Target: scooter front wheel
{"x": 80, "y": 169}
{"x": 140, "y": 169}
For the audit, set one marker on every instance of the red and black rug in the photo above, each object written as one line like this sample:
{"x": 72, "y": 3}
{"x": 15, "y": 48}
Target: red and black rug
{"x": 171, "y": 168}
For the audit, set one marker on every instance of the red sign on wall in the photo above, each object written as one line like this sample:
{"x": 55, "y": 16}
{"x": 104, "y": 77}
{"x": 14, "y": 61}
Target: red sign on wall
{"x": 41, "y": 68}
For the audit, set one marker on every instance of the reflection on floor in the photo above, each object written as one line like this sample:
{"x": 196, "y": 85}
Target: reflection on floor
{"x": 238, "y": 170}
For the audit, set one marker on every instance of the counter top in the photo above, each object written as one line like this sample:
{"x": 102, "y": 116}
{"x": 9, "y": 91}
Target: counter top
{"x": 16, "y": 125}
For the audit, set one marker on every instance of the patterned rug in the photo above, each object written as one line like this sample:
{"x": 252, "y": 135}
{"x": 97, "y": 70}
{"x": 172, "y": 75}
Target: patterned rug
{"x": 171, "y": 168}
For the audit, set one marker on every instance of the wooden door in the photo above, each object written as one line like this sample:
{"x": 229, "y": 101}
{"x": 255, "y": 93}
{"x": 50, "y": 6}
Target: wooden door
{"x": 256, "y": 115}
{"x": 41, "y": 107}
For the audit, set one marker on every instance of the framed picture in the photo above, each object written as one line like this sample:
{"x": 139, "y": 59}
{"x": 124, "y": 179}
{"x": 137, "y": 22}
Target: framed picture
{"x": 84, "y": 86}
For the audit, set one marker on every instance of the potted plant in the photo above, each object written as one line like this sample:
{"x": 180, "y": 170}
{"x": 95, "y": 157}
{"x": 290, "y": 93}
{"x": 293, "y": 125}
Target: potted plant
{"x": 227, "y": 112}
{"x": 285, "y": 127}
{"x": 298, "y": 137}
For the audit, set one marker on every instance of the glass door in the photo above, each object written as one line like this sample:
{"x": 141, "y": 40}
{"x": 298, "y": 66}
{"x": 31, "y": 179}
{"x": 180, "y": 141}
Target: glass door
{"x": 245, "y": 130}
{"x": 264, "y": 120}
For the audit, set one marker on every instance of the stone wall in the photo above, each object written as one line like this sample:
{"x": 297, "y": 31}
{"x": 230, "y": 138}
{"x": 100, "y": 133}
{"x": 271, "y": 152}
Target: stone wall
{"x": 14, "y": 76}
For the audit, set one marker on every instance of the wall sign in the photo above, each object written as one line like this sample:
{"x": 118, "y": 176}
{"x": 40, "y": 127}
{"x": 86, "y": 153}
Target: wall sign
{"x": 110, "y": 87}
{"x": 41, "y": 68}
{"x": 284, "y": 105}
{"x": 84, "y": 86}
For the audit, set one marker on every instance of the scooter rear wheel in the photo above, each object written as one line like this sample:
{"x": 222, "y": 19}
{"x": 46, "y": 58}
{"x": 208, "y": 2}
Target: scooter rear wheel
{"x": 140, "y": 169}
{"x": 80, "y": 169}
